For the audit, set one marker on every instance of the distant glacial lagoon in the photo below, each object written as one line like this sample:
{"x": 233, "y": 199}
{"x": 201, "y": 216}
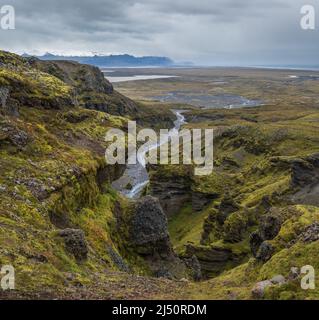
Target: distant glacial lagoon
{"x": 136, "y": 78}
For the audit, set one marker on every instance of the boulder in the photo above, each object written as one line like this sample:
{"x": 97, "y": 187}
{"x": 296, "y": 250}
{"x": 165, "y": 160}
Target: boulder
{"x": 75, "y": 243}
{"x": 258, "y": 291}
{"x": 278, "y": 279}
{"x": 148, "y": 227}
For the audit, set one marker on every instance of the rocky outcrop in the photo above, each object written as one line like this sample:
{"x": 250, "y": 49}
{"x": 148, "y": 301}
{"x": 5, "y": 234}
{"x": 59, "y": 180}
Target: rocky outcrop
{"x": 310, "y": 234}
{"x": 148, "y": 236}
{"x": 12, "y": 135}
{"x": 305, "y": 180}
{"x": 194, "y": 266}
{"x": 223, "y": 222}
{"x": 82, "y": 77}
{"x": 269, "y": 227}
{"x": 148, "y": 228}
{"x": 91, "y": 89}
{"x": 265, "y": 251}
{"x": 213, "y": 259}
{"x": 304, "y": 171}
{"x": 75, "y": 243}
{"x": 201, "y": 200}
{"x": 255, "y": 241}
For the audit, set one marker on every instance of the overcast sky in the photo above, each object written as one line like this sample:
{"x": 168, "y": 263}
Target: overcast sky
{"x": 215, "y": 32}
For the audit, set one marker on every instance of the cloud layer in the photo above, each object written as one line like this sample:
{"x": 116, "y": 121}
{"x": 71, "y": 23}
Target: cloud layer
{"x": 216, "y": 32}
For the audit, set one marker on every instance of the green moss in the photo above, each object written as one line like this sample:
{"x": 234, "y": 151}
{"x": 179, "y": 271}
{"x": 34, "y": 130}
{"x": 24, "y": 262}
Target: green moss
{"x": 186, "y": 227}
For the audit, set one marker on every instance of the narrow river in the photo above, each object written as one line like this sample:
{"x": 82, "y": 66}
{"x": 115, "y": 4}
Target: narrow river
{"x": 135, "y": 177}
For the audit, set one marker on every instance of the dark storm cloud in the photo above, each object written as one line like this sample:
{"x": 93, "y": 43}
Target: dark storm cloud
{"x": 204, "y": 31}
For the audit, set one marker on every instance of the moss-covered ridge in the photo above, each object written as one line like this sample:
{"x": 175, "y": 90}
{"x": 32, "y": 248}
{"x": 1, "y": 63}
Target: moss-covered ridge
{"x": 54, "y": 177}
{"x": 261, "y": 167}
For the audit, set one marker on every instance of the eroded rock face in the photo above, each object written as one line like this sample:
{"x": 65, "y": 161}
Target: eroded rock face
{"x": 194, "y": 267}
{"x": 201, "y": 200}
{"x": 213, "y": 260}
{"x": 302, "y": 173}
{"x": 173, "y": 193}
{"x": 75, "y": 243}
{"x": 305, "y": 180}
{"x": 91, "y": 89}
{"x": 117, "y": 259}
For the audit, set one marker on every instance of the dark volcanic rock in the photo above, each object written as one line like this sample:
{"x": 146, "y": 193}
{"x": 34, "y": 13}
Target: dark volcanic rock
{"x": 270, "y": 226}
{"x": 310, "y": 234}
{"x": 172, "y": 192}
{"x": 163, "y": 273}
{"x": 75, "y": 243}
{"x": 305, "y": 180}
{"x": 148, "y": 236}
{"x": 201, "y": 200}
{"x": 265, "y": 252}
{"x": 117, "y": 259}
{"x": 149, "y": 226}
{"x": 213, "y": 260}
{"x": 227, "y": 206}
{"x": 302, "y": 173}
{"x": 195, "y": 268}
{"x": 13, "y": 135}
{"x": 255, "y": 241}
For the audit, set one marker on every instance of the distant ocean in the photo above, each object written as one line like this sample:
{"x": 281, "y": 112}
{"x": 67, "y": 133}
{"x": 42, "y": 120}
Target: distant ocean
{"x": 290, "y": 67}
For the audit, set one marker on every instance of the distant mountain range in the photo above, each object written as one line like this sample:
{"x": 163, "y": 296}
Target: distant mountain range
{"x": 123, "y": 60}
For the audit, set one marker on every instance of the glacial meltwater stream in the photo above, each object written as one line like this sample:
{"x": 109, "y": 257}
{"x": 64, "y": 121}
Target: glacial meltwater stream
{"x": 135, "y": 177}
